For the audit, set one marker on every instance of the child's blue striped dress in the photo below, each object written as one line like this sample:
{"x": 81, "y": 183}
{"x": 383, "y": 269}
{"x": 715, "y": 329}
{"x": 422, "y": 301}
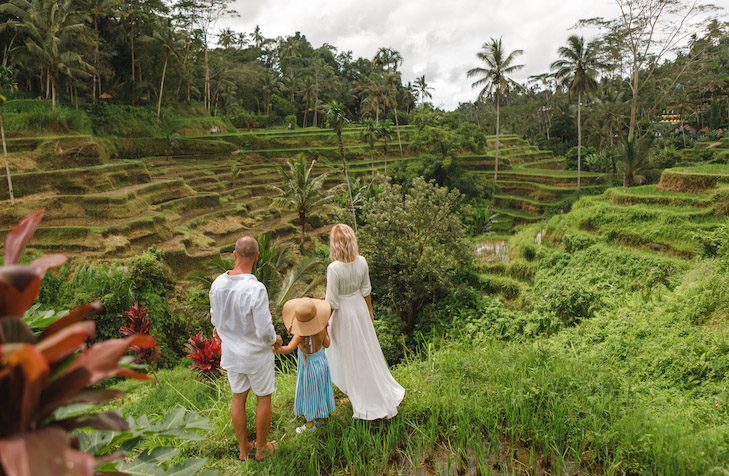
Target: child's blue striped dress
{"x": 314, "y": 395}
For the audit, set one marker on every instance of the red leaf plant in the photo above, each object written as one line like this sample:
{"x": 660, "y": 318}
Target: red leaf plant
{"x": 205, "y": 355}
{"x": 39, "y": 374}
{"x": 139, "y": 324}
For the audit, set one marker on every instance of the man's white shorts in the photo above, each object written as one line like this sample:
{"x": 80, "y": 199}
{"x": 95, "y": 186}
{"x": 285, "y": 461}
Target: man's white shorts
{"x": 263, "y": 382}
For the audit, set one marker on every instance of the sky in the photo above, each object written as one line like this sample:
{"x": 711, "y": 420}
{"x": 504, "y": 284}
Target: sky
{"x": 436, "y": 38}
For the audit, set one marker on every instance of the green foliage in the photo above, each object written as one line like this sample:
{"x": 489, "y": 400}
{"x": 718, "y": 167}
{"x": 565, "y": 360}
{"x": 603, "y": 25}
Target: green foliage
{"x": 43, "y": 376}
{"x": 391, "y": 335}
{"x": 154, "y": 436}
{"x": 62, "y": 120}
{"x": 571, "y": 158}
{"x": 415, "y": 246}
{"x": 142, "y": 278}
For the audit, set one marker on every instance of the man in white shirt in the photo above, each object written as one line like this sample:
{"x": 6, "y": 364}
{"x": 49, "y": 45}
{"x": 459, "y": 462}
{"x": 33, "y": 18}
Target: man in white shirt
{"x": 242, "y": 323}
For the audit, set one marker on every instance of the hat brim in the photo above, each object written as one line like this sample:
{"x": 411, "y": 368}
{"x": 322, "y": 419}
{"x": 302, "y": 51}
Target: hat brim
{"x": 310, "y": 327}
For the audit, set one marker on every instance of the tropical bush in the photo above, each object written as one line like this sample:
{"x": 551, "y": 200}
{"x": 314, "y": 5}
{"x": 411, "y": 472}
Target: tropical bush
{"x": 205, "y": 355}
{"x": 40, "y": 375}
{"x": 415, "y": 245}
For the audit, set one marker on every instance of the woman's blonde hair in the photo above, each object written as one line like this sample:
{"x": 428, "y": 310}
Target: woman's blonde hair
{"x": 343, "y": 244}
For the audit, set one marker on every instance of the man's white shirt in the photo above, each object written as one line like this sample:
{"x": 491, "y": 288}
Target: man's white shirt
{"x": 239, "y": 311}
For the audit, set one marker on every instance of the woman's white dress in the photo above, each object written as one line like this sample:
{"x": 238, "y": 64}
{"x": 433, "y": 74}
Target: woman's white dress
{"x": 356, "y": 362}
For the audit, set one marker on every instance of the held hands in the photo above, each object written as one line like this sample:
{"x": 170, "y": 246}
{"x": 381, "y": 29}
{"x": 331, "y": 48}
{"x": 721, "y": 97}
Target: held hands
{"x": 277, "y": 345}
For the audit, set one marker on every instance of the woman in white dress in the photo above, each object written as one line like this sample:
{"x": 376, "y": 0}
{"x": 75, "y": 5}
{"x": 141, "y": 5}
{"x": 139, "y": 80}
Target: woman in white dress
{"x": 356, "y": 362}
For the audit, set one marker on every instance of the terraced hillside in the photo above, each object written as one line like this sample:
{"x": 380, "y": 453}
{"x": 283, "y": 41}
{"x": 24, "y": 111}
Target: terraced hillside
{"x": 531, "y": 182}
{"x": 675, "y": 219}
{"x": 106, "y": 204}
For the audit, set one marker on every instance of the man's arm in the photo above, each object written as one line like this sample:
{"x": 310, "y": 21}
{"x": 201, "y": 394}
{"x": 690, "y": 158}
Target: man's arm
{"x": 263, "y": 321}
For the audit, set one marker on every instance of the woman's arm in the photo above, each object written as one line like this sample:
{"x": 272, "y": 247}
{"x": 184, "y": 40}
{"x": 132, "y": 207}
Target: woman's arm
{"x": 368, "y": 300}
{"x": 287, "y": 349}
{"x": 325, "y": 340}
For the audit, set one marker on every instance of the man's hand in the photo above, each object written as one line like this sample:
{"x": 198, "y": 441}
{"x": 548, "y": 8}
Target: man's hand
{"x": 279, "y": 342}
{"x": 216, "y": 337}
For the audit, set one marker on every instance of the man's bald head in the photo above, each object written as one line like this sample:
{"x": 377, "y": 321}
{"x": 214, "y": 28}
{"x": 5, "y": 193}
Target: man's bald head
{"x": 246, "y": 248}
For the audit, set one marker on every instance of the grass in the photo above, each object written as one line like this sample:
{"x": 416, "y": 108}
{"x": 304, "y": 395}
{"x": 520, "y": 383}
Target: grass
{"x": 465, "y": 403}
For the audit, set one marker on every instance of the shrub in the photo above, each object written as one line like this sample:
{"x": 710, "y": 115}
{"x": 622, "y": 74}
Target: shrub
{"x": 570, "y": 300}
{"x": 205, "y": 355}
{"x": 391, "y": 334}
{"x": 139, "y": 324}
{"x": 40, "y": 374}
{"x": 415, "y": 245}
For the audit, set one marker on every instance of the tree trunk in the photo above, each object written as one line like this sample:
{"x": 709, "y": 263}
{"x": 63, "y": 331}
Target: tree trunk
{"x": 207, "y": 80}
{"x": 346, "y": 177}
{"x": 131, "y": 35}
{"x": 579, "y": 142}
{"x": 162, "y": 86}
{"x": 5, "y": 154}
{"x": 377, "y": 113}
{"x": 634, "y": 105}
{"x": 496, "y": 159}
{"x": 372, "y": 157}
{"x": 316, "y": 103}
{"x": 53, "y": 91}
{"x": 397, "y": 128}
{"x": 97, "y": 79}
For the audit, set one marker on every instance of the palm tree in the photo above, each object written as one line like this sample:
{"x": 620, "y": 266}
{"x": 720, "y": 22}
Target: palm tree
{"x": 423, "y": 89}
{"x": 167, "y": 37}
{"x": 388, "y": 59}
{"x": 336, "y": 120}
{"x": 576, "y": 70}
{"x": 374, "y": 92}
{"x": 301, "y": 191}
{"x": 384, "y": 132}
{"x": 370, "y": 134}
{"x": 494, "y": 79}
{"x": 392, "y": 79}
{"x": 49, "y": 28}
{"x": 227, "y": 38}
{"x": 6, "y": 84}
{"x": 98, "y": 8}
{"x": 258, "y": 38}
{"x": 635, "y": 157}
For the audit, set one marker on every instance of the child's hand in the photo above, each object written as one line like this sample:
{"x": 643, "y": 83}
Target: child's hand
{"x": 276, "y": 349}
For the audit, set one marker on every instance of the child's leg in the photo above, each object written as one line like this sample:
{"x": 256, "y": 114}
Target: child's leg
{"x": 240, "y": 424}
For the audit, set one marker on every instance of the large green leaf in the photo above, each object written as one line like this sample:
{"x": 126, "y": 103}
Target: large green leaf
{"x": 151, "y": 464}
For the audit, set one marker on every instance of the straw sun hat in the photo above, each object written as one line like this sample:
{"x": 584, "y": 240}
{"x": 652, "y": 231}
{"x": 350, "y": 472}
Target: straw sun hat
{"x": 306, "y": 316}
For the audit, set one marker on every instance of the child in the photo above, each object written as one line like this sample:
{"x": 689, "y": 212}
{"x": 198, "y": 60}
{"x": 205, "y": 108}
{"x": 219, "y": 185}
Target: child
{"x": 307, "y": 319}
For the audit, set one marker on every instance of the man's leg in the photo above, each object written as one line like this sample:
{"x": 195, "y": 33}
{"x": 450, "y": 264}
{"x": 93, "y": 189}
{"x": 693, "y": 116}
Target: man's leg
{"x": 263, "y": 421}
{"x": 240, "y": 423}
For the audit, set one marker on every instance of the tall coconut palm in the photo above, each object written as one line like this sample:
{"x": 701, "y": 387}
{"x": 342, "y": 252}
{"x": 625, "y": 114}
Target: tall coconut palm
{"x": 577, "y": 70}
{"x": 336, "y": 120}
{"x": 392, "y": 79}
{"x": 422, "y": 89}
{"x": 375, "y": 96}
{"x": 494, "y": 80}
{"x": 7, "y": 84}
{"x": 49, "y": 28}
{"x": 301, "y": 190}
{"x": 171, "y": 44}
{"x": 99, "y": 8}
{"x": 227, "y": 38}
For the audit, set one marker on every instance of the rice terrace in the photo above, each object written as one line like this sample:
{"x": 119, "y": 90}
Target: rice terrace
{"x": 542, "y": 220}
